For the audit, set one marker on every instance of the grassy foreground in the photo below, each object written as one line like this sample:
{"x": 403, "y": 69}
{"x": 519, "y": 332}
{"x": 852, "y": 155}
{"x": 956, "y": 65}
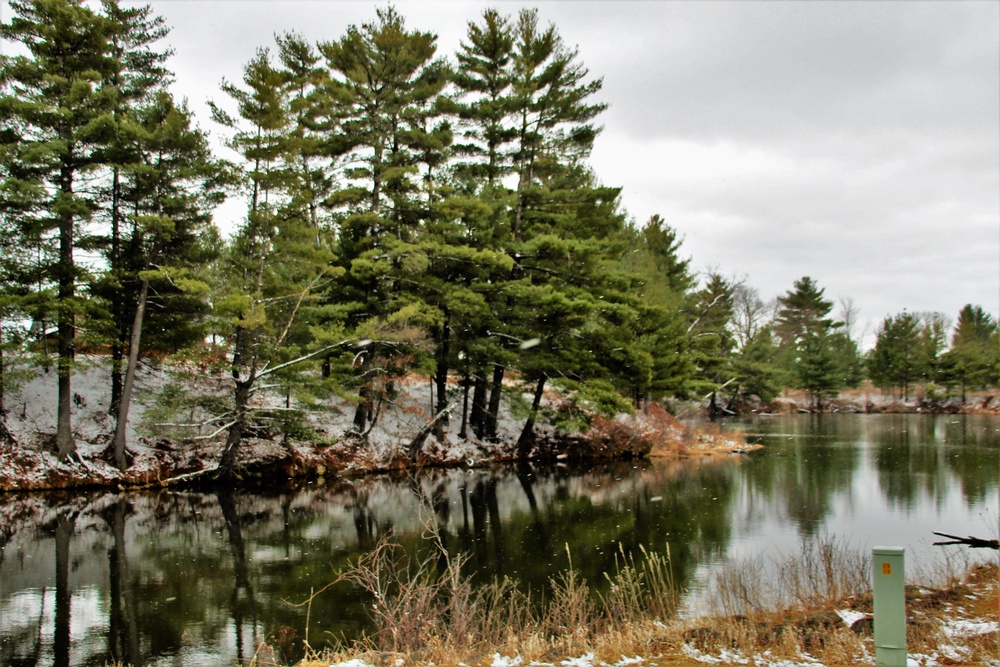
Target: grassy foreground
{"x": 817, "y": 613}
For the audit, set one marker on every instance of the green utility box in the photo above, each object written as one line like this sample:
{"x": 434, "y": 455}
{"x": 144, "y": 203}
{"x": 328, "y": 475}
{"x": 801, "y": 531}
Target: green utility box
{"x": 889, "y": 607}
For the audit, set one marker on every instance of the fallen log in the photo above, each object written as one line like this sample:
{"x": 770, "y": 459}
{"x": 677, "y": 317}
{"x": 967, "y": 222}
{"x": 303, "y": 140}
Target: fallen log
{"x": 971, "y": 542}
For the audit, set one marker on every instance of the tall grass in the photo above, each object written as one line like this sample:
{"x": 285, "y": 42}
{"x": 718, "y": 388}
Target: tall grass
{"x": 825, "y": 570}
{"x": 431, "y": 611}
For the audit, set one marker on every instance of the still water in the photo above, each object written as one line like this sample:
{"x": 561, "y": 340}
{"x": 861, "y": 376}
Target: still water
{"x": 195, "y": 578}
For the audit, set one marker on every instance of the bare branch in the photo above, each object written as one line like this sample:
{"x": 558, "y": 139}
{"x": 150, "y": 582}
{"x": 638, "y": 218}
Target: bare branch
{"x": 215, "y": 432}
{"x": 267, "y": 371}
{"x": 295, "y": 310}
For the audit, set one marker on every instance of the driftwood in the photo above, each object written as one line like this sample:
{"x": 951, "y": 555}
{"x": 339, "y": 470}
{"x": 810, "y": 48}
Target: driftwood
{"x": 971, "y": 542}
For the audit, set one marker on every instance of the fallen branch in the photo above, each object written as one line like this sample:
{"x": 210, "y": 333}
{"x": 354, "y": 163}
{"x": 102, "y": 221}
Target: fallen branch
{"x": 421, "y": 436}
{"x": 971, "y": 542}
{"x": 179, "y": 478}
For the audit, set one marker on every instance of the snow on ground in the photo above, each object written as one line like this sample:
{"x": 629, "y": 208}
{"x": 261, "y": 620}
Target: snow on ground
{"x": 168, "y": 444}
{"x": 964, "y": 628}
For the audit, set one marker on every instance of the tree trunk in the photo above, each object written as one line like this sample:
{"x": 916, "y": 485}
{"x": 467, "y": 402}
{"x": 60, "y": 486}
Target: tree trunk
{"x": 463, "y": 433}
{"x": 3, "y": 390}
{"x": 527, "y": 438}
{"x": 493, "y": 413}
{"x": 227, "y": 464}
{"x": 66, "y": 326}
{"x": 441, "y": 374}
{"x": 118, "y": 441}
{"x": 65, "y": 442}
{"x": 117, "y": 307}
{"x": 478, "y": 417}
{"x": 418, "y": 440}
{"x": 117, "y": 356}
{"x": 5, "y": 435}
{"x": 361, "y": 412}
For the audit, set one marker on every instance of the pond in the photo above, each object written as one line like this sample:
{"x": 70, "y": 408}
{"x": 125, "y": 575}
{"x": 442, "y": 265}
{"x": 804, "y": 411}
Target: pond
{"x": 200, "y": 578}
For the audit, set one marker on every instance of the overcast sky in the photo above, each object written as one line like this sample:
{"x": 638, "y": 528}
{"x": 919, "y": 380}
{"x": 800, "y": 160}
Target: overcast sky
{"x": 854, "y": 142}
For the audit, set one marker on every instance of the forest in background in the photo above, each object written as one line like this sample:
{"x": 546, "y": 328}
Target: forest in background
{"x": 405, "y": 212}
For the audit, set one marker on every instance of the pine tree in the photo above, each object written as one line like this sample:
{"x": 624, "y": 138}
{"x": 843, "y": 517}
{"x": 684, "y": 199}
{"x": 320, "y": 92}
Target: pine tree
{"x": 173, "y": 193}
{"x": 62, "y": 113}
{"x": 757, "y": 372}
{"x": 136, "y": 73}
{"x": 552, "y": 115}
{"x": 389, "y": 85}
{"x": 803, "y": 331}
{"x": 971, "y": 359}
{"x": 484, "y": 78}
{"x": 276, "y": 262}
{"x": 898, "y": 358}
{"x": 661, "y": 280}
{"x": 711, "y": 340}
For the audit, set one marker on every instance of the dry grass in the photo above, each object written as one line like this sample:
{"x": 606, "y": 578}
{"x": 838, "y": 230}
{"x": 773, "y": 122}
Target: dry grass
{"x": 430, "y": 613}
{"x": 822, "y": 573}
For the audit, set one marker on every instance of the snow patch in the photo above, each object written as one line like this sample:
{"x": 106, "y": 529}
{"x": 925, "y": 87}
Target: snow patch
{"x": 850, "y": 617}
{"x": 504, "y": 661}
{"x": 969, "y": 628}
{"x": 625, "y": 662}
{"x": 728, "y": 657}
{"x": 586, "y": 660}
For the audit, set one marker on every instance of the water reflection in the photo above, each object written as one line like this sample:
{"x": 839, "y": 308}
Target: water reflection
{"x": 204, "y": 578}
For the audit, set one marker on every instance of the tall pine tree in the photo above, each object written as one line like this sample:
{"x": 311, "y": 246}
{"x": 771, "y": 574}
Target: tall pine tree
{"x": 62, "y": 114}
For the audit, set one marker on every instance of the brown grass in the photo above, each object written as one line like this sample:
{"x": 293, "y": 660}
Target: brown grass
{"x": 428, "y": 613}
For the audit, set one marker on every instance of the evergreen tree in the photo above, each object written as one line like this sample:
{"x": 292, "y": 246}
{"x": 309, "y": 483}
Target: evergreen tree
{"x": 389, "y": 84}
{"x": 16, "y": 280}
{"x": 711, "y": 340}
{"x": 802, "y": 311}
{"x": 756, "y": 367}
{"x": 61, "y": 115}
{"x": 552, "y": 111}
{"x": 847, "y": 358}
{"x": 484, "y": 79}
{"x": 276, "y": 263}
{"x": 136, "y": 73}
{"x": 933, "y": 344}
{"x": 971, "y": 359}
{"x": 846, "y": 353}
{"x": 803, "y": 329}
{"x": 661, "y": 280}
{"x": 172, "y": 194}
{"x": 756, "y": 364}
{"x": 897, "y": 360}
